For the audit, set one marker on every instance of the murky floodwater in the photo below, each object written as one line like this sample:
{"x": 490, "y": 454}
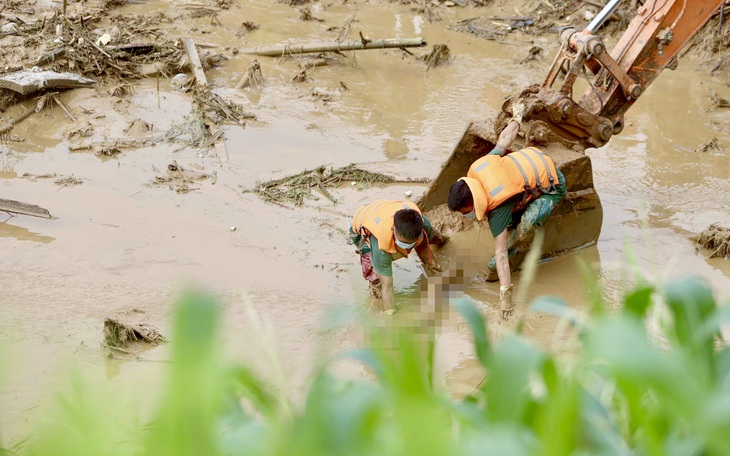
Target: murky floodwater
{"x": 120, "y": 245}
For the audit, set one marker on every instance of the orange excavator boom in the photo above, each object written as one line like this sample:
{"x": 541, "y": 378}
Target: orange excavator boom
{"x": 563, "y": 127}
{"x": 652, "y": 42}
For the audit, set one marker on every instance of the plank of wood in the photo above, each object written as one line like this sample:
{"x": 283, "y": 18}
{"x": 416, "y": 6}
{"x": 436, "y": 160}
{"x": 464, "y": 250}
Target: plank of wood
{"x": 25, "y": 82}
{"x": 18, "y": 207}
{"x": 293, "y": 48}
{"x": 195, "y": 64}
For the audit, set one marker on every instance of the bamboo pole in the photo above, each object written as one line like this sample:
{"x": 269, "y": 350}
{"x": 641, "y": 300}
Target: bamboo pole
{"x": 195, "y": 65}
{"x": 18, "y": 207}
{"x": 292, "y": 48}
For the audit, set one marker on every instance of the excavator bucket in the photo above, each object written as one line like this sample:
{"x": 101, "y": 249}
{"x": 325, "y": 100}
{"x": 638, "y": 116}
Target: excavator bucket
{"x": 474, "y": 143}
{"x": 575, "y": 222}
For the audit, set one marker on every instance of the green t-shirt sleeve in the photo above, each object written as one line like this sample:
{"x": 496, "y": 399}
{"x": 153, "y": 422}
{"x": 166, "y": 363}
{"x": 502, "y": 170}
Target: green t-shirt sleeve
{"x": 500, "y": 217}
{"x": 427, "y": 226}
{"x": 498, "y": 150}
{"x": 382, "y": 261}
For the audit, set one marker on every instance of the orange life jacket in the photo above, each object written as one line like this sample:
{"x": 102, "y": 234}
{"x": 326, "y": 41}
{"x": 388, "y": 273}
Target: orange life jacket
{"x": 376, "y": 219}
{"x": 528, "y": 172}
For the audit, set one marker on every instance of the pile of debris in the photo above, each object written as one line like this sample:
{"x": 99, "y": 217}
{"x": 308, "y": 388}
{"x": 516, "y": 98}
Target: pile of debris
{"x": 294, "y": 189}
{"x": 74, "y": 50}
{"x": 717, "y": 239}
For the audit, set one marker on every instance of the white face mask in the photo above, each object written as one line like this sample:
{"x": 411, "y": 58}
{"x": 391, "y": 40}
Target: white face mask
{"x": 405, "y": 246}
{"x": 471, "y": 215}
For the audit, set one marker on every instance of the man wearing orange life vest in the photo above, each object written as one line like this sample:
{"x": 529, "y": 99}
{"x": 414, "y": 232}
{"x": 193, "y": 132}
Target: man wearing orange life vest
{"x": 517, "y": 190}
{"x": 385, "y": 231}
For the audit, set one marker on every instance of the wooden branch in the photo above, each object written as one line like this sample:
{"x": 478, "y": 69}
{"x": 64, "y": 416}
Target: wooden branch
{"x": 18, "y": 207}
{"x": 63, "y": 106}
{"x": 292, "y": 48}
{"x": 195, "y": 64}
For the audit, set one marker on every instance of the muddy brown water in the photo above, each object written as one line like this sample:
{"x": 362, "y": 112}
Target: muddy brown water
{"x": 121, "y": 248}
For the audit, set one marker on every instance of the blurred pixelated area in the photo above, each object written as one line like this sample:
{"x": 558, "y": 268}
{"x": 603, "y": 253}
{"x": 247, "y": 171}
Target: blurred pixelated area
{"x": 423, "y": 320}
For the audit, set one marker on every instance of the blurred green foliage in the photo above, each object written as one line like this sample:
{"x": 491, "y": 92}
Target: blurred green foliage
{"x": 628, "y": 392}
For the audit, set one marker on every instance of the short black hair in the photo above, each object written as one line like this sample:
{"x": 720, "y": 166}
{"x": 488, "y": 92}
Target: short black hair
{"x": 460, "y": 196}
{"x": 408, "y": 223}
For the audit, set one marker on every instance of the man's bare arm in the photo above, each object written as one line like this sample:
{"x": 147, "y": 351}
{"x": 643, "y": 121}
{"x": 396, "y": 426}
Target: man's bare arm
{"x": 386, "y": 283}
{"x": 502, "y": 258}
{"x": 427, "y": 259}
{"x": 507, "y": 137}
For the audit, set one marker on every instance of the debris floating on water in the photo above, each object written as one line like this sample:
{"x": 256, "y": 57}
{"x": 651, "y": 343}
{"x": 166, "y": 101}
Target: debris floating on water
{"x": 712, "y": 145}
{"x": 717, "y": 239}
{"x": 294, "y": 189}
{"x": 118, "y": 334}
{"x": 439, "y": 55}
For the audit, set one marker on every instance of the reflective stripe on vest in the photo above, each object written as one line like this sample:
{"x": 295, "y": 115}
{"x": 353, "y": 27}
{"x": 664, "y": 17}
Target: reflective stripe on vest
{"x": 499, "y": 176}
{"x": 553, "y": 180}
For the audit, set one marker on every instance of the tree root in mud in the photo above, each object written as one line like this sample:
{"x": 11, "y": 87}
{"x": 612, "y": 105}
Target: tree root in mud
{"x": 712, "y": 145}
{"x": 202, "y": 126}
{"x": 717, "y": 239}
{"x": 294, "y": 189}
{"x": 253, "y": 76}
{"x": 118, "y": 334}
{"x": 213, "y": 104}
{"x": 439, "y": 55}
{"x": 179, "y": 179}
{"x": 718, "y": 102}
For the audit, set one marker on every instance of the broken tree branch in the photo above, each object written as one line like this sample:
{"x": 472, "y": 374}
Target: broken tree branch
{"x": 18, "y": 207}
{"x": 195, "y": 62}
{"x": 292, "y": 48}
{"x": 253, "y": 76}
{"x": 63, "y": 106}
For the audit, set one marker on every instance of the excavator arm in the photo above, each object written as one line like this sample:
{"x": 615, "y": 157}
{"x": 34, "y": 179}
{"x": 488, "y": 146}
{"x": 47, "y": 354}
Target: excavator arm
{"x": 652, "y": 42}
{"x": 564, "y": 128}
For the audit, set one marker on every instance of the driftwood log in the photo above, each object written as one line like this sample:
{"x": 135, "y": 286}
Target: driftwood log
{"x": 294, "y": 48}
{"x": 18, "y": 207}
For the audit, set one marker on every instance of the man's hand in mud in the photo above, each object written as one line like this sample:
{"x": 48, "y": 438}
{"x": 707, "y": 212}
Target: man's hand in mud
{"x": 518, "y": 110}
{"x": 506, "y": 304}
{"x": 434, "y": 268}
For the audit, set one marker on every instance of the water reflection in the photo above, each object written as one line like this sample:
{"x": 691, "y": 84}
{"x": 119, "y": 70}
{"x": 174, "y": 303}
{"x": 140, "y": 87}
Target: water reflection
{"x": 22, "y": 234}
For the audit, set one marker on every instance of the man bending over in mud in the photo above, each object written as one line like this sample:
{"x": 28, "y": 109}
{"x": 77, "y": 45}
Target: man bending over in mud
{"x": 515, "y": 190}
{"x": 385, "y": 231}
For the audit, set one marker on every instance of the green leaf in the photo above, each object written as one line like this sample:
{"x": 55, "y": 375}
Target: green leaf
{"x": 552, "y": 305}
{"x": 712, "y": 326}
{"x": 369, "y": 358}
{"x": 692, "y": 305}
{"x": 638, "y": 301}
{"x": 186, "y": 424}
{"x": 592, "y": 285}
{"x": 514, "y": 373}
{"x": 691, "y": 302}
{"x": 478, "y": 329}
{"x": 246, "y": 384}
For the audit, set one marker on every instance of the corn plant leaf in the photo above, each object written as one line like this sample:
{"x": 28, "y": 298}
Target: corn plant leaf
{"x": 516, "y": 368}
{"x": 638, "y": 301}
{"x": 558, "y": 308}
{"x": 691, "y": 303}
{"x": 245, "y": 383}
{"x": 478, "y": 329}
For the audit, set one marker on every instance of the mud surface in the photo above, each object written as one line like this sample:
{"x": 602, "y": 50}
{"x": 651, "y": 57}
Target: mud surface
{"x": 128, "y": 240}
